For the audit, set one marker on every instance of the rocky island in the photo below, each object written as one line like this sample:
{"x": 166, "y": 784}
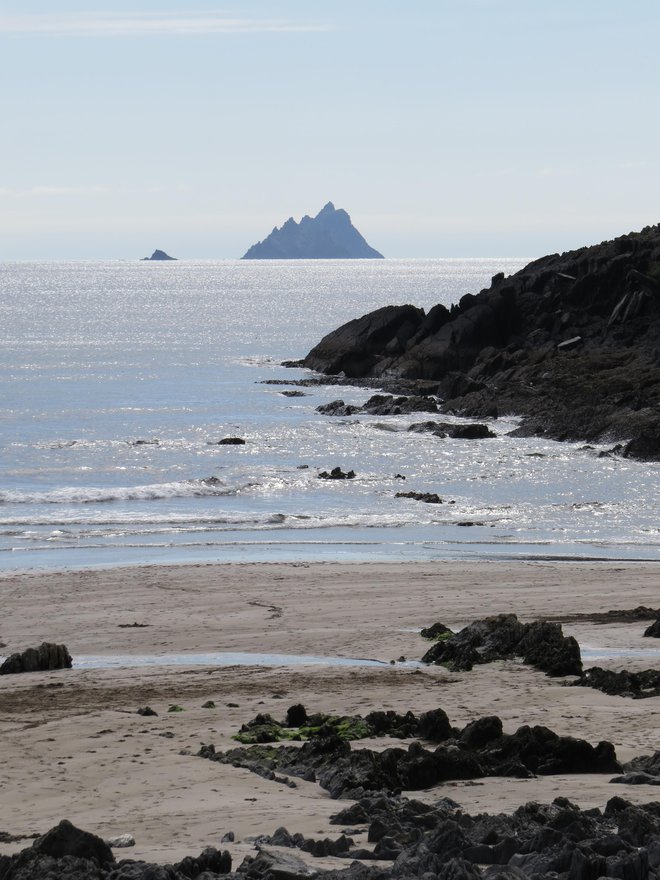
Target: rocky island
{"x": 328, "y": 236}
{"x": 569, "y": 343}
{"x": 158, "y": 255}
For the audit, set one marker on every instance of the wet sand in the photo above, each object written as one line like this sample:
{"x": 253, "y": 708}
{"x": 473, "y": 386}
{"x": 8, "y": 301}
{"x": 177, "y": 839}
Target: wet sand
{"x": 72, "y": 745}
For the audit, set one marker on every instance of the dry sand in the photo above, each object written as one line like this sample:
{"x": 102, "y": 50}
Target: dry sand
{"x": 72, "y": 745}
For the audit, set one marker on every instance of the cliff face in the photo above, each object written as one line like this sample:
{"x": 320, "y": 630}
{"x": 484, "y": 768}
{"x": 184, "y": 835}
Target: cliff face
{"x": 328, "y": 236}
{"x": 571, "y": 343}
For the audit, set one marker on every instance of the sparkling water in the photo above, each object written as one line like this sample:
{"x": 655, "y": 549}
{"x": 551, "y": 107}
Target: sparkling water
{"x": 119, "y": 379}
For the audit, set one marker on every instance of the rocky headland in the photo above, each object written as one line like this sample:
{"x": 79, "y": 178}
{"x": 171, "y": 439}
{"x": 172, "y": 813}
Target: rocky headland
{"x": 328, "y": 236}
{"x": 569, "y": 343}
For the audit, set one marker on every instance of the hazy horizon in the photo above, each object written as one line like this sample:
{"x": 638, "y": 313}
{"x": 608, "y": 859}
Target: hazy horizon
{"x": 446, "y": 128}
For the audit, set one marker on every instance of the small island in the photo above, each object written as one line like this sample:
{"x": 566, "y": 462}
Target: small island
{"x": 159, "y": 255}
{"x": 328, "y": 236}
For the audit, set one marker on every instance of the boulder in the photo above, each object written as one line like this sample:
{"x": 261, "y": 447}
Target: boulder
{"x": 46, "y": 657}
{"x": 272, "y": 865}
{"x": 67, "y": 840}
{"x": 455, "y": 430}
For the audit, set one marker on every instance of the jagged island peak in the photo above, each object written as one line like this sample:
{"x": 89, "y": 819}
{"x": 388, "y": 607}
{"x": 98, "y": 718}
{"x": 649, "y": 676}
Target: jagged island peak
{"x": 328, "y": 236}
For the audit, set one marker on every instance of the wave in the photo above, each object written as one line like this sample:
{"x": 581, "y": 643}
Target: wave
{"x": 152, "y": 523}
{"x": 96, "y": 495}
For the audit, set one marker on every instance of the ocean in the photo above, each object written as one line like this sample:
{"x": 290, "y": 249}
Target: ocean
{"x": 118, "y": 380}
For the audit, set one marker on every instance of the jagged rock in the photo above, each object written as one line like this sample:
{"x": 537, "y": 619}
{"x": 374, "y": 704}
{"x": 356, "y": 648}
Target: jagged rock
{"x": 636, "y": 777}
{"x": 541, "y": 644}
{"x": 637, "y": 685}
{"x": 68, "y": 853}
{"x": 653, "y": 631}
{"x": 383, "y": 405}
{"x": 298, "y": 725}
{"x": 426, "y": 497}
{"x": 67, "y": 840}
{"x": 346, "y": 772}
{"x": 455, "y": 430}
{"x": 645, "y": 763}
{"x": 317, "y": 848}
{"x": 389, "y": 405}
{"x": 328, "y": 236}
{"x": 356, "y": 347}
{"x": 544, "y": 646}
{"x": 337, "y": 474}
{"x": 569, "y": 343}
{"x": 337, "y": 408}
{"x": 47, "y": 656}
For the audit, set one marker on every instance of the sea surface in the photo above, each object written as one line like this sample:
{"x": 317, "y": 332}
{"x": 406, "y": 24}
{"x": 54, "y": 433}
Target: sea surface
{"x": 118, "y": 380}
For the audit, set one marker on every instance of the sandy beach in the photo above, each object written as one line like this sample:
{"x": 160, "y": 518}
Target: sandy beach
{"x": 73, "y": 745}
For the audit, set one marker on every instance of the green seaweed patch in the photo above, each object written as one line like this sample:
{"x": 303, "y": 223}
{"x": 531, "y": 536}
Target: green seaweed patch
{"x": 262, "y": 729}
{"x": 265, "y": 729}
{"x": 438, "y": 632}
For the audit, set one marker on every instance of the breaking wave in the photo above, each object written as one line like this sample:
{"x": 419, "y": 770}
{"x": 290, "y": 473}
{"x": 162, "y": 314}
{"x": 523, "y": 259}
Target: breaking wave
{"x": 96, "y": 495}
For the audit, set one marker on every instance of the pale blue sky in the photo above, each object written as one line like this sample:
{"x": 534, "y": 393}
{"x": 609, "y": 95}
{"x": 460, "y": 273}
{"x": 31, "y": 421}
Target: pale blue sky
{"x": 444, "y": 127}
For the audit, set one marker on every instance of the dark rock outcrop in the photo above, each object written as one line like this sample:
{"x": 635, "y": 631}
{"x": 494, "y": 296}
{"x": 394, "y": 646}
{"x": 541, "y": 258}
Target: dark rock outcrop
{"x": 653, "y": 631}
{"x": 337, "y": 474}
{"x": 569, "y": 343}
{"x": 328, "y": 236}
{"x": 426, "y": 497}
{"x": 158, "y": 255}
{"x": 381, "y": 405}
{"x": 480, "y": 750}
{"x": 455, "y": 430}
{"x": 636, "y": 685}
{"x": 412, "y": 839}
{"x": 437, "y": 630}
{"x": 68, "y": 852}
{"x": 540, "y": 644}
{"x": 46, "y": 657}
{"x": 298, "y": 725}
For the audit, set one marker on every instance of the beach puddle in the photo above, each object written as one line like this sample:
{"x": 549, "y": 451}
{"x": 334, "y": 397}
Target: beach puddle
{"x": 122, "y": 661}
{"x": 611, "y": 653}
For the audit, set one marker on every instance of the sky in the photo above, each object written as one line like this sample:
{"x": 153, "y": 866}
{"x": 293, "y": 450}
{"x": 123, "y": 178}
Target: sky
{"x": 446, "y": 128}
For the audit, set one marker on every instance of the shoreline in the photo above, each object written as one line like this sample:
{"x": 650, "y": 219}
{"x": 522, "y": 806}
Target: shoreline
{"x": 460, "y": 558}
{"x": 73, "y": 745}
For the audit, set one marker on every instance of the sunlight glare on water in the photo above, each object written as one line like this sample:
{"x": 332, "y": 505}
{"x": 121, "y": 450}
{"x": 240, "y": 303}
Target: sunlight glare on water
{"x": 119, "y": 379}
